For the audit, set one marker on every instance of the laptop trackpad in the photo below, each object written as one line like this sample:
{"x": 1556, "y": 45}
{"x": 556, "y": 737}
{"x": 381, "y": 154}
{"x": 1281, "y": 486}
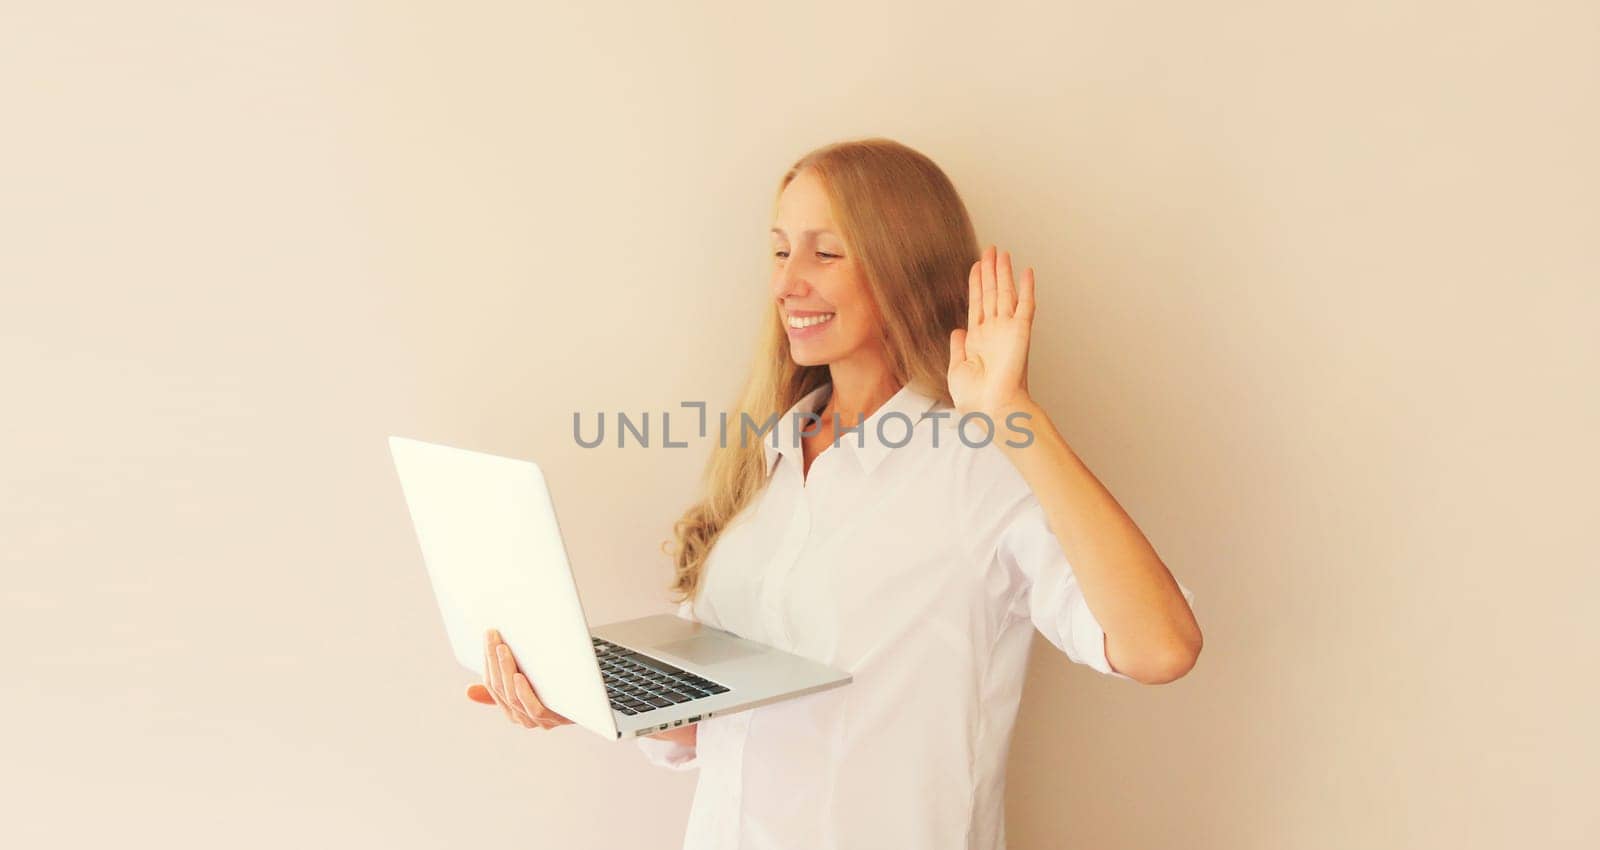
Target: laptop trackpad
{"x": 706, "y": 649}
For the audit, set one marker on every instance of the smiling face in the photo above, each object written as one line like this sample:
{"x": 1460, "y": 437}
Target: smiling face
{"x": 821, "y": 291}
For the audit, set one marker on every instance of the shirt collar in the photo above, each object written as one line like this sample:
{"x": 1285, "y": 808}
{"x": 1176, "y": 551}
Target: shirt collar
{"x": 870, "y": 451}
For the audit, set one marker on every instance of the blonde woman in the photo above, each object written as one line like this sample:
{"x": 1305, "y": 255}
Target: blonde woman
{"x": 886, "y": 536}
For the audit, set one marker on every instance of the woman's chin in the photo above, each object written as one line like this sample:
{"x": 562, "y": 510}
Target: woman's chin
{"x": 810, "y": 357}
{"x": 824, "y": 352}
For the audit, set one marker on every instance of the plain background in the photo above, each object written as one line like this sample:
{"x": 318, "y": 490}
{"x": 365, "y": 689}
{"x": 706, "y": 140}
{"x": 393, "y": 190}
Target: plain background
{"x": 1318, "y": 291}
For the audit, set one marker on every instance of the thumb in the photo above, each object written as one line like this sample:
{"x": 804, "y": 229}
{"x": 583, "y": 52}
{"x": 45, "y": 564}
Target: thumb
{"x": 479, "y": 693}
{"x": 958, "y": 347}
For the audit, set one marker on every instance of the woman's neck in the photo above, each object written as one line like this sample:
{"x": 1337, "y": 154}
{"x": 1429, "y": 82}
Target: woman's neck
{"x": 858, "y": 391}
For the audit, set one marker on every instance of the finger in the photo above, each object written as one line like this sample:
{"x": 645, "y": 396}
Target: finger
{"x": 508, "y": 671}
{"x": 500, "y": 688}
{"x": 522, "y": 691}
{"x": 1005, "y": 300}
{"x": 479, "y": 693}
{"x": 491, "y": 673}
{"x": 988, "y": 283}
{"x": 958, "y": 348}
{"x": 975, "y": 295}
{"x": 1025, "y": 295}
{"x": 531, "y": 702}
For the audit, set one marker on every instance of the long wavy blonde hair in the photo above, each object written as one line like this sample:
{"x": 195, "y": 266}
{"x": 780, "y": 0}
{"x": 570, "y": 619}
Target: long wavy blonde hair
{"x": 901, "y": 219}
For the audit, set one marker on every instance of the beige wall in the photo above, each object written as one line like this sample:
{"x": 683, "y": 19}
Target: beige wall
{"x": 1318, "y": 304}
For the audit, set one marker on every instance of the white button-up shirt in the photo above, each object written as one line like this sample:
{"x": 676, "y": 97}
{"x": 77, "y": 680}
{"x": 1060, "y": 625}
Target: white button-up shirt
{"x": 922, "y": 570}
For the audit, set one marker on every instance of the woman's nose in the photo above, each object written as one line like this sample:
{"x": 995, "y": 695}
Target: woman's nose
{"x": 790, "y": 280}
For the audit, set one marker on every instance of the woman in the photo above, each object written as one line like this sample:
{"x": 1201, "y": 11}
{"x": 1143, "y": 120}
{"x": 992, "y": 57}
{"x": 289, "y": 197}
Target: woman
{"x": 887, "y": 537}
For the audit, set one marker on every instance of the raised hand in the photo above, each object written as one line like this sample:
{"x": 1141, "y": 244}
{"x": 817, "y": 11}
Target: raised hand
{"x": 989, "y": 359}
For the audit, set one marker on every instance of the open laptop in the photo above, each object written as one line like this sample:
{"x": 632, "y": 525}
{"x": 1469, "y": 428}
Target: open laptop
{"x": 493, "y": 551}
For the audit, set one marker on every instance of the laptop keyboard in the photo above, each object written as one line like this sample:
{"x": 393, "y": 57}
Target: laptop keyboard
{"x": 638, "y": 683}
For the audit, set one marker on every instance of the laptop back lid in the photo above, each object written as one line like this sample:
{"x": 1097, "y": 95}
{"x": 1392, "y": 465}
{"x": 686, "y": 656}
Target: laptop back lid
{"x": 493, "y": 551}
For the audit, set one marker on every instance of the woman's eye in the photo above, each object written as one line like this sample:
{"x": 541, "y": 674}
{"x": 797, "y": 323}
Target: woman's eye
{"x": 821, "y": 254}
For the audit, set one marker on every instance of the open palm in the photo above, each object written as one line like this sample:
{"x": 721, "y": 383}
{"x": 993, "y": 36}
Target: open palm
{"x": 989, "y": 359}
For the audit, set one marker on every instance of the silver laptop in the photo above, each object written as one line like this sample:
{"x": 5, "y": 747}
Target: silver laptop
{"x": 493, "y": 551}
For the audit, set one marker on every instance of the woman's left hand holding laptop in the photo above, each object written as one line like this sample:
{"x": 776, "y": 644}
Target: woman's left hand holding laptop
{"x": 507, "y": 687}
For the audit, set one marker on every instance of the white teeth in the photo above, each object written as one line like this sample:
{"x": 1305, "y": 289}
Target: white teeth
{"x": 798, "y": 322}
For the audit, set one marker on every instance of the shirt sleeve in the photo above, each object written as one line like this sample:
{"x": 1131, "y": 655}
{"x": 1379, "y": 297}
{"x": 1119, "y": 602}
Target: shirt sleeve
{"x": 671, "y": 754}
{"x": 1041, "y": 582}
{"x": 1049, "y": 593}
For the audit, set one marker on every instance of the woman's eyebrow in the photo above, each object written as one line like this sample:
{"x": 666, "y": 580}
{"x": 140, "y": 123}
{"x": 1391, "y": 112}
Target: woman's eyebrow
{"x": 779, "y": 231}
